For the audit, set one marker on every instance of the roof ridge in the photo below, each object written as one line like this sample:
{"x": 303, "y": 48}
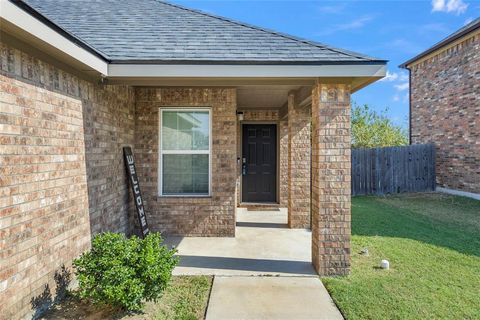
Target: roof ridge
{"x": 267, "y": 30}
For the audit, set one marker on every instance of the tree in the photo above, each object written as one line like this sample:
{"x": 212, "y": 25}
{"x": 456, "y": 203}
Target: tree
{"x": 374, "y": 129}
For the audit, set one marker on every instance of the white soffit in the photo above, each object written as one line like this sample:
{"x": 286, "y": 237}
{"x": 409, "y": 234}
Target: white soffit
{"x": 23, "y": 20}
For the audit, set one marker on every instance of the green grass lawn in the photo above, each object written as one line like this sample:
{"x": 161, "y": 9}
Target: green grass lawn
{"x": 433, "y": 244}
{"x": 185, "y": 298}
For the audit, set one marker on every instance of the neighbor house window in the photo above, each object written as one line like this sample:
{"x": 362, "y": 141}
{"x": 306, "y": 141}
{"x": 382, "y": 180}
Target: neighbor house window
{"x": 185, "y": 151}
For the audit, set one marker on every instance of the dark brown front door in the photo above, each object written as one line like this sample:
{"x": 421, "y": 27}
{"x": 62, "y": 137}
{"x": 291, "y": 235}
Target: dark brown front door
{"x": 259, "y": 163}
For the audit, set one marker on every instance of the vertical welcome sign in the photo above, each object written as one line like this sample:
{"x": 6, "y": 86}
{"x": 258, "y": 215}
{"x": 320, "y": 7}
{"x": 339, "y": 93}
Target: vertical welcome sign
{"x": 137, "y": 195}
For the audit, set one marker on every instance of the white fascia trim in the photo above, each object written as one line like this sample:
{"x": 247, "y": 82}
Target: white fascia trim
{"x": 244, "y": 71}
{"x": 38, "y": 29}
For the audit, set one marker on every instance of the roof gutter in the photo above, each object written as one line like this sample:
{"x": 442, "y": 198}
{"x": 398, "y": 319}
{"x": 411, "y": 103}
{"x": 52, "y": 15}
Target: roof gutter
{"x": 248, "y": 62}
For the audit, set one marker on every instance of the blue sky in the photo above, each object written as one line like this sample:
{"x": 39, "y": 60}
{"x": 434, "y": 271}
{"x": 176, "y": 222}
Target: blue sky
{"x": 391, "y": 30}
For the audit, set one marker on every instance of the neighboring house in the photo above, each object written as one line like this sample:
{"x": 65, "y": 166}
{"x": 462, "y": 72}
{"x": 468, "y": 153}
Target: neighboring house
{"x": 445, "y": 106}
{"x": 197, "y": 97}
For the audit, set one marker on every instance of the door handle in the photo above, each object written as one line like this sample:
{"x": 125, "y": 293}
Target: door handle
{"x": 244, "y": 166}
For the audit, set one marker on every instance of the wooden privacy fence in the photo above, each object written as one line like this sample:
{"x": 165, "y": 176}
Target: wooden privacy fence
{"x": 393, "y": 169}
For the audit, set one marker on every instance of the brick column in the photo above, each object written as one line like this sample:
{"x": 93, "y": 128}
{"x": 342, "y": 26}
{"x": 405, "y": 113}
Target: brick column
{"x": 299, "y": 149}
{"x": 331, "y": 203}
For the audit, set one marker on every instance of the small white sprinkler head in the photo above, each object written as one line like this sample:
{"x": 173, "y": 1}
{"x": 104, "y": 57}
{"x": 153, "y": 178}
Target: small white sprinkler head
{"x": 385, "y": 264}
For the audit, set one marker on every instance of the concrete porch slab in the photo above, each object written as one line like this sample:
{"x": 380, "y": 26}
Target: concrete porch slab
{"x": 263, "y": 245}
{"x": 270, "y": 298}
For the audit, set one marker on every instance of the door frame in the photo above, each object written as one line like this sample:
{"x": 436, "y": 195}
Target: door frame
{"x": 277, "y": 157}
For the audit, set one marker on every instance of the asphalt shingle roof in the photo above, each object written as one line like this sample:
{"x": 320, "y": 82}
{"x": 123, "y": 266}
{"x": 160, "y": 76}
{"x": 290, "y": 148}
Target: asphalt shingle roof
{"x": 156, "y": 31}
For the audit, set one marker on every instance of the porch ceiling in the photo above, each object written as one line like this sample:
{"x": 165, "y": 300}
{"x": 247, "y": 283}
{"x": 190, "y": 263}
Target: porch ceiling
{"x": 263, "y": 97}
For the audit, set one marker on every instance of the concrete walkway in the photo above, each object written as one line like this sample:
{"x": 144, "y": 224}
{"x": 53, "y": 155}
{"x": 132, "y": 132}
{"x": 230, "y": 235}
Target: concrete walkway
{"x": 270, "y": 298}
{"x": 263, "y": 245}
{"x": 265, "y": 272}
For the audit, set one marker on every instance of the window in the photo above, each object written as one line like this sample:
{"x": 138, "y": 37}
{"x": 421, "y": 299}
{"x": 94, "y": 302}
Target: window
{"x": 185, "y": 145}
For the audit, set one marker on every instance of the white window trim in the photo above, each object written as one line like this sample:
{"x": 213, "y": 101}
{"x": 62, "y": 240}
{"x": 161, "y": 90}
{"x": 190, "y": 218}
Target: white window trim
{"x": 161, "y": 152}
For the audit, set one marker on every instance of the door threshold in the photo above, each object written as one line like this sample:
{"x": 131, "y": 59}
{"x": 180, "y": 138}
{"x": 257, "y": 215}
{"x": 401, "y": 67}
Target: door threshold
{"x": 259, "y": 205}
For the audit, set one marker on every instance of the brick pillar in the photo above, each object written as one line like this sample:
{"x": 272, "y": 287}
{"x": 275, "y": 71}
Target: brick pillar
{"x": 331, "y": 202}
{"x": 299, "y": 149}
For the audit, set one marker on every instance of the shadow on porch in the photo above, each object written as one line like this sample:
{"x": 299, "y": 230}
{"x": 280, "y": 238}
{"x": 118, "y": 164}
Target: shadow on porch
{"x": 263, "y": 245}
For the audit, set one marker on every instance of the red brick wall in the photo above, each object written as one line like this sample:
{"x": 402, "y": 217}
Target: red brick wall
{"x": 331, "y": 179}
{"x": 60, "y": 150}
{"x": 108, "y": 116}
{"x": 189, "y": 216}
{"x": 445, "y": 110}
{"x": 283, "y": 130}
{"x": 299, "y": 164}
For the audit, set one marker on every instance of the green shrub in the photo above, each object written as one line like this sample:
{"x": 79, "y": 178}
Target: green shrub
{"x": 124, "y": 272}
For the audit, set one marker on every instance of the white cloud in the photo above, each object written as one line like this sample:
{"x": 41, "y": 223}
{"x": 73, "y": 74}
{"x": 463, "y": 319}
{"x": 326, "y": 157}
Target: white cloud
{"x": 402, "y": 86}
{"x": 467, "y": 21}
{"x": 333, "y": 9}
{"x": 406, "y": 46}
{"x": 400, "y": 83}
{"x": 403, "y": 76}
{"x": 404, "y": 97}
{"x": 450, "y": 6}
{"x": 433, "y": 27}
{"x": 352, "y": 25}
{"x": 438, "y": 5}
{"x": 457, "y": 6}
{"x": 391, "y": 76}
{"x": 355, "y": 24}
{"x": 394, "y": 76}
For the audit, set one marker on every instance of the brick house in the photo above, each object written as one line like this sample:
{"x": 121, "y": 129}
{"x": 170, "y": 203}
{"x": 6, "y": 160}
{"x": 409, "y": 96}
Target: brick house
{"x": 445, "y": 106}
{"x": 218, "y": 113}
